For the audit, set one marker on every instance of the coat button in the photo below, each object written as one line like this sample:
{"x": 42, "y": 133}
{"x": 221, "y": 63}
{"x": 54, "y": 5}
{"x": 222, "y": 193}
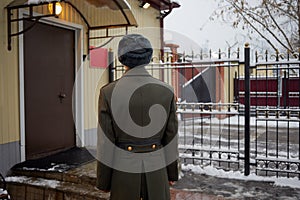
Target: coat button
{"x": 129, "y": 148}
{"x": 153, "y": 146}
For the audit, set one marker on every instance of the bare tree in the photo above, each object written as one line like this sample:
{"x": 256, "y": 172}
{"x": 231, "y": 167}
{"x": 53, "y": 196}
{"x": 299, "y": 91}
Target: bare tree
{"x": 276, "y": 21}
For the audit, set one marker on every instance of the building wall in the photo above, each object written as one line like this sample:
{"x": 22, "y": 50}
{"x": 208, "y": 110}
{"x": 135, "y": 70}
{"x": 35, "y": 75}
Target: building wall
{"x": 148, "y": 25}
{"x": 94, "y": 78}
{"x": 9, "y": 96}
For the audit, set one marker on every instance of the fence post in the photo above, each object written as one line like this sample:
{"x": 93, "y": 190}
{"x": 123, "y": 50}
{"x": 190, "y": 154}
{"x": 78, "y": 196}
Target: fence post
{"x": 285, "y": 92}
{"x": 247, "y": 110}
{"x": 110, "y": 66}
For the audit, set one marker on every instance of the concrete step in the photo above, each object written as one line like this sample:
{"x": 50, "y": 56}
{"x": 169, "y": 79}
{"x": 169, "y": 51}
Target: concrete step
{"x": 36, "y": 184}
{"x": 32, "y": 188}
{"x": 28, "y": 188}
{"x": 75, "y": 184}
{"x": 85, "y": 174}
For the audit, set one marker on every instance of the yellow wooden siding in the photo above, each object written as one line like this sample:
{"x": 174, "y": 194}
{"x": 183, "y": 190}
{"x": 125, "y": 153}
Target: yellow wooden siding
{"x": 96, "y": 78}
{"x": 9, "y": 82}
{"x": 68, "y": 14}
{"x": 9, "y": 117}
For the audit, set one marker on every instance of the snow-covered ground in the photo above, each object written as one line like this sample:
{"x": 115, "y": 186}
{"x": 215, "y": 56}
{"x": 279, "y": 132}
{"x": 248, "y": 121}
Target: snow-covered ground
{"x": 212, "y": 171}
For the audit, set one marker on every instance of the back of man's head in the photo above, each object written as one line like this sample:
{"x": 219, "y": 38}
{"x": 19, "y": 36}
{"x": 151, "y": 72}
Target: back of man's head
{"x": 134, "y": 50}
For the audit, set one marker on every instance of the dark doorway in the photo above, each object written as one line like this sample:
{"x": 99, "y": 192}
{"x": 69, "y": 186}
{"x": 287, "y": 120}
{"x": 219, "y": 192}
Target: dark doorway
{"x": 49, "y": 73}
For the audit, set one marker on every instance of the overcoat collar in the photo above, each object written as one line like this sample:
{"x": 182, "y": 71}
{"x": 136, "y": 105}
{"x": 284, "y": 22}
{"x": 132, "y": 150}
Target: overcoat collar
{"x": 137, "y": 71}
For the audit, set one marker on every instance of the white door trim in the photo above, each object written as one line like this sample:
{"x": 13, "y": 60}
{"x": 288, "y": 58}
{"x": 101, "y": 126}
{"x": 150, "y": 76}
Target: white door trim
{"x": 78, "y": 105}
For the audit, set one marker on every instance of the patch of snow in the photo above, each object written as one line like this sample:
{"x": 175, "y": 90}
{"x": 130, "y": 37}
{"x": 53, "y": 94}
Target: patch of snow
{"x": 58, "y": 168}
{"x": 3, "y": 192}
{"x": 288, "y": 182}
{"x": 17, "y": 179}
{"x": 211, "y": 171}
{"x": 37, "y": 182}
{"x": 32, "y": 169}
{"x": 181, "y": 175}
{"x": 249, "y": 194}
{"x": 39, "y": 1}
{"x": 47, "y": 183}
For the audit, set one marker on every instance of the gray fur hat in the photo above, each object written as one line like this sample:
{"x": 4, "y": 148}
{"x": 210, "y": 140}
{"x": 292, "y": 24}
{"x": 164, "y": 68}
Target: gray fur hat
{"x": 134, "y": 50}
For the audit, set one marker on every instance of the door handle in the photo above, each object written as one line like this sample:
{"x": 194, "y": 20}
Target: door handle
{"x": 61, "y": 96}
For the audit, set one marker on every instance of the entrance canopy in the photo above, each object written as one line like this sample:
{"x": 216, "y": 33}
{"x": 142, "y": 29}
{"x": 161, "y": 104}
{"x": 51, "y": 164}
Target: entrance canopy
{"x": 97, "y": 14}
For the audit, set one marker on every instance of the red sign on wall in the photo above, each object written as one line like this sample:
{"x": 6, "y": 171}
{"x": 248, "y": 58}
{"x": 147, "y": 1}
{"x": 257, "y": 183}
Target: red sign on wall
{"x": 98, "y": 57}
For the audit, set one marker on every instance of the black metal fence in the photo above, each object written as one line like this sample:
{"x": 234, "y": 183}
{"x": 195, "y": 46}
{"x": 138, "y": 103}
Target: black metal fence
{"x": 275, "y": 100}
{"x": 235, "y": 115}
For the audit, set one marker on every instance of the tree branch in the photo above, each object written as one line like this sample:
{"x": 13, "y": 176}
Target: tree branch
{"x": 291, "y": 15}
{"x": 262, "y": 35}
{"x": 279, "y": 28}
{"x": 241, "y": 12}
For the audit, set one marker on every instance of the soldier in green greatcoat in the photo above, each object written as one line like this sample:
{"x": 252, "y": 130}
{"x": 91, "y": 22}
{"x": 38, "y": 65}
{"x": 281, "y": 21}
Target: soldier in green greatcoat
{"x": 137, "y": 132}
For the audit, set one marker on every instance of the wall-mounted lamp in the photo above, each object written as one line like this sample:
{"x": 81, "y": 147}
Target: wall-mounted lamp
{"x": 58, "y": 8}
{"x": 144, "y": 5}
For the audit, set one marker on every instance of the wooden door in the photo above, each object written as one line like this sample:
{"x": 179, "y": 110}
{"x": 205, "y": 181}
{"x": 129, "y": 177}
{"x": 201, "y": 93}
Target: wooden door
{"x": 49, "y": 59}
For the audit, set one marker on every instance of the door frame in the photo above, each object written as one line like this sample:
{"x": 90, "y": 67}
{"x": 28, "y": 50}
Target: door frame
{"x": 78, "y": 104}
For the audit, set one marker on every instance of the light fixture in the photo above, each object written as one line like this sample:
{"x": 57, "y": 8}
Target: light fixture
{"x": 145, "y": 5}
{"x": 58, "y": 8}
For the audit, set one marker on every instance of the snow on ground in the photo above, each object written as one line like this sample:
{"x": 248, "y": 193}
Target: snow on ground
{"x": 211, "y": 171}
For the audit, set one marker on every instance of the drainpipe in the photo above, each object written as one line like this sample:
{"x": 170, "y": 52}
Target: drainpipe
{"x": 161, "y": 18}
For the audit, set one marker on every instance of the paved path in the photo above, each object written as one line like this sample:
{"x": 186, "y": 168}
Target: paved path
{"x": 189, "y": 195}
{"x": 202, "y": 187}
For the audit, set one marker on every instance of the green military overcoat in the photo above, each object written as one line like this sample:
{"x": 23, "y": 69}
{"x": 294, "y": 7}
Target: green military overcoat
{"x": 123, "y": 183}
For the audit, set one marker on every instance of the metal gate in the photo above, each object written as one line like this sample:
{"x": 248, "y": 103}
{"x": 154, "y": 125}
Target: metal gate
{"x": 223, "y": 120}
{"x": 275, "y": 116}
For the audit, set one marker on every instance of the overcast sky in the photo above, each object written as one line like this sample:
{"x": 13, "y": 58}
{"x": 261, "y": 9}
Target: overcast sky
{"x": 192, "y": 21}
